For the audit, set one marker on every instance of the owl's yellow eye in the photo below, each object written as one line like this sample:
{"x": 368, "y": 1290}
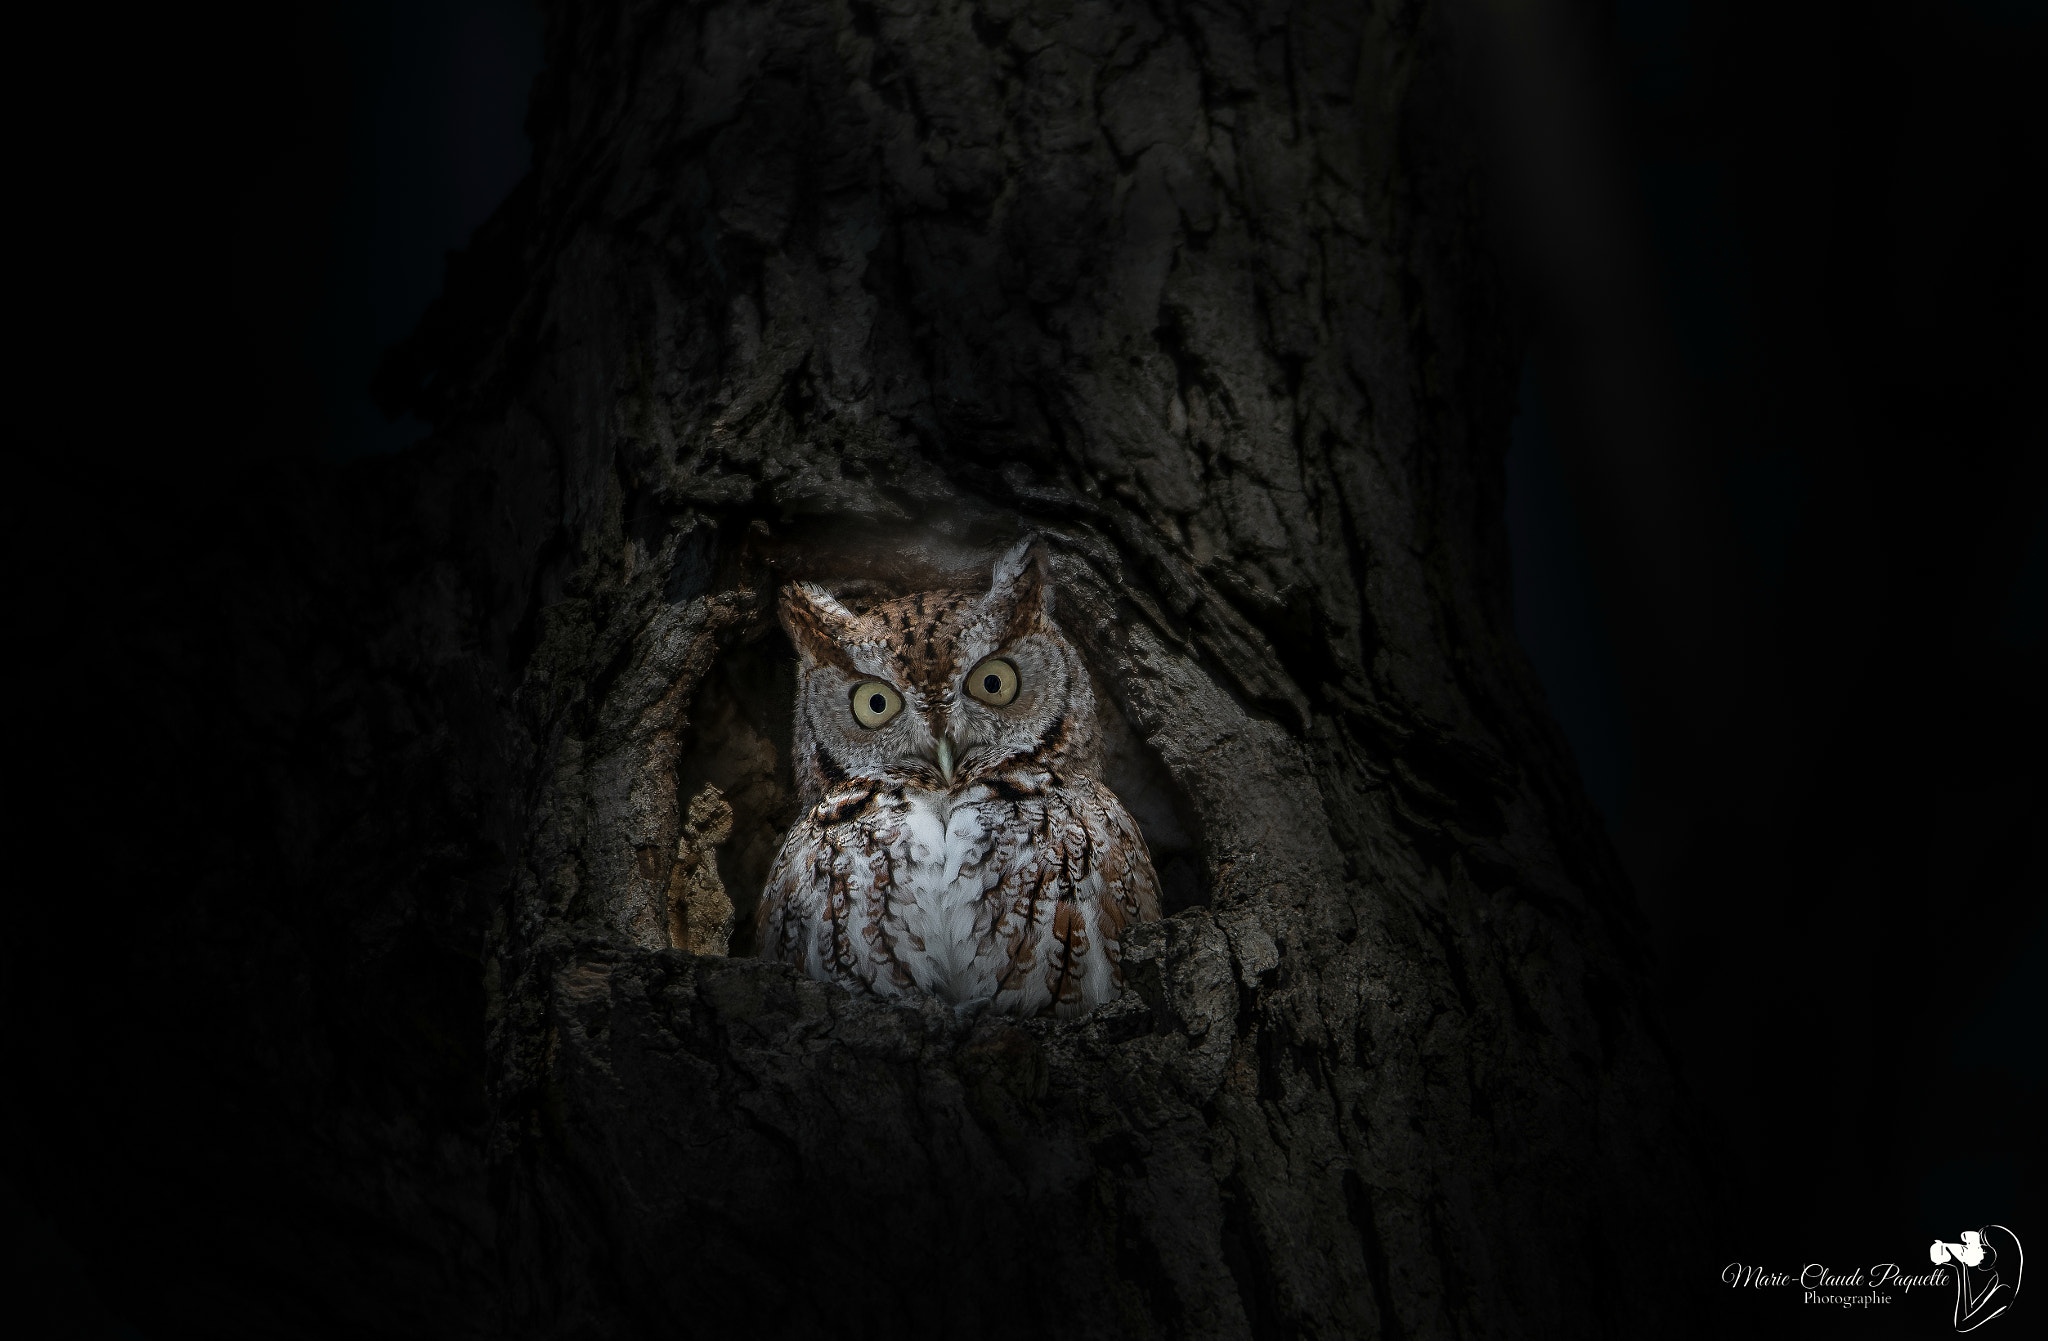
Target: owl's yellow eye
{"x": 994, "y": 682}
{"x": 875, "y": 704}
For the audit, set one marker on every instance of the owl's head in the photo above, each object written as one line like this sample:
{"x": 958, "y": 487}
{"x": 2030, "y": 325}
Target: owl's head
{"x": 934, "y": 690}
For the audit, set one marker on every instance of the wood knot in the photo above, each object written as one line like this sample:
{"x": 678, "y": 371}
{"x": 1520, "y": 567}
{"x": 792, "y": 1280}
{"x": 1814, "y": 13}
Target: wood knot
{"x": 700, "y": 913}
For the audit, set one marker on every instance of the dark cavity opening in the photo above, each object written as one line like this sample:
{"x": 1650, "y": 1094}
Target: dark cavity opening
{"x": 740, "y": 737}
{"x": 740, "y": 740}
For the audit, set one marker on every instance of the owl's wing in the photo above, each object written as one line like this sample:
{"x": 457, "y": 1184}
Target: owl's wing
{"x": 825, "y": 905}
{"x": 1077, "y": 878}
{"x": 1129, "y": 885}
{"x": 784, "y": 903}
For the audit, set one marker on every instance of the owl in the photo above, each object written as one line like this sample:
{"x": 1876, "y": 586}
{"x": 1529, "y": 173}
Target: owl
{"x": 954, "y": 839}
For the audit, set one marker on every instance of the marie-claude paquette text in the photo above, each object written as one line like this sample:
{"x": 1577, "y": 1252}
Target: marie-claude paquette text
{"x": 1816, "y": 1276}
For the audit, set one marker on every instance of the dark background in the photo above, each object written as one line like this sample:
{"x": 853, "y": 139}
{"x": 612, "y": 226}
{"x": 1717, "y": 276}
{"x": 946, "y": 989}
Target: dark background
{"x": 1777, "y": 503}
{"x": 1777, "y": 498}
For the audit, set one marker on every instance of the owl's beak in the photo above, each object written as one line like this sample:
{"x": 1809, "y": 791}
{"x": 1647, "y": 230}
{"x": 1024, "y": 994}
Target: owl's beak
{"x": 945, "y": 753}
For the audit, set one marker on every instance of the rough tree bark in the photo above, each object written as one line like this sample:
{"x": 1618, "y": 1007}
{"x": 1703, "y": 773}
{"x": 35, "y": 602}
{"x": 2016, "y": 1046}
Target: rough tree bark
{"x": 1204, "y": 295}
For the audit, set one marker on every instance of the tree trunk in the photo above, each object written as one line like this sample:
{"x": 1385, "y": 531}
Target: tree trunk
{"x": 860, "y": 292}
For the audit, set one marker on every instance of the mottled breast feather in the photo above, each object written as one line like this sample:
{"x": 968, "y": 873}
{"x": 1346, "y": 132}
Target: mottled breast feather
{"x": 1014, "y": 894}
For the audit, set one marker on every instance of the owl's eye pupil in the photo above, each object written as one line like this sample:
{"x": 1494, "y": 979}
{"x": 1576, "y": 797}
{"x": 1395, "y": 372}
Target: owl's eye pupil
{"x": 994, "y": 682}
{"x": 876, "y": 704}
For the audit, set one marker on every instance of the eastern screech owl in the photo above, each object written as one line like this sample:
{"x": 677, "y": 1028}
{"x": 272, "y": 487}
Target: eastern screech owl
{"x": 954, "y": 838}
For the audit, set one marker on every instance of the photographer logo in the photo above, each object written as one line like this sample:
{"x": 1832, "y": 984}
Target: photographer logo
{"x": 1982, "y": 1292}
{"x": 1982, "y": 1270}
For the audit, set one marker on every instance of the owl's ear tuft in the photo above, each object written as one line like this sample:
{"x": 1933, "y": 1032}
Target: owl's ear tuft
{"x": 1020, "y": 589}
{"x": 819, "y": 626}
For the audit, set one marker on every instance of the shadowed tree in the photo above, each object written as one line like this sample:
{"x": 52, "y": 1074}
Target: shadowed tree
{"x": 859, "y": 293}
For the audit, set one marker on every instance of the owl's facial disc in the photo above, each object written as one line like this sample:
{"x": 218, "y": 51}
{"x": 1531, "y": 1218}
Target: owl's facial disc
{"x": 935, "y": 689}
